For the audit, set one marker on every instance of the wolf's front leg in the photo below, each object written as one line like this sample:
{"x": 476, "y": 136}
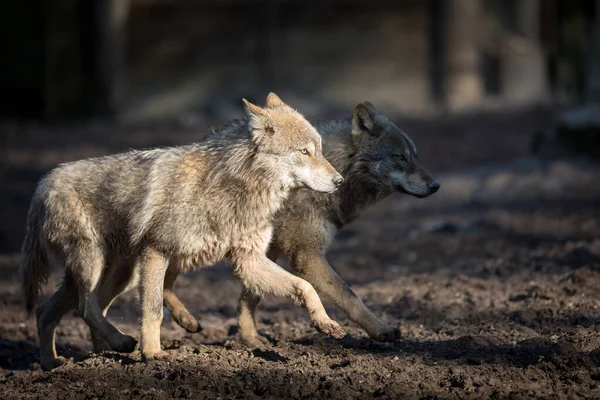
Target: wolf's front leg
{"x": 247, "y": 320}
{"x": 153, "y": 267}
{"x": 262, "y": 276}
{"x": 247, "y": 310}
{"x": 315, "y": 269}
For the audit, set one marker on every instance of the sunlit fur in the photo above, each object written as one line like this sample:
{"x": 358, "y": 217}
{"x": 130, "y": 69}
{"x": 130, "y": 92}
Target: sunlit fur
{"x": 365, "y": 147}
{"x": 167, "y": 211}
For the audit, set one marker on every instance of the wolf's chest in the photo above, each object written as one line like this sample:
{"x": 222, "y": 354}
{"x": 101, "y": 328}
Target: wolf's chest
{"x": 199, "y": 249}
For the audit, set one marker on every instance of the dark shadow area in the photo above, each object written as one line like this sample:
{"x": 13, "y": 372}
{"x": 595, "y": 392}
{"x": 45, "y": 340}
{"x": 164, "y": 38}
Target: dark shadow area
{"x": 465, "y": 350}
{"x": 23, "y": 355}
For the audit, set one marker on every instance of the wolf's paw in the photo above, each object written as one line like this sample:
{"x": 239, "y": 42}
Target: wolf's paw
{"x": 154, "y": 356}
{"x": 387, "y": 334}
{"x": 330, "y": 328}
{"x": 48, "y": 365}
{"x": 256, "y": 341}
{"x": 127, "y": 345}
{"x": 189, "y": 323}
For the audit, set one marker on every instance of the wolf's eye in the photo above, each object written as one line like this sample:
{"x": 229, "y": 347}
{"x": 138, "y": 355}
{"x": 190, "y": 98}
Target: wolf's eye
{"x": 400, "y": 157}
{"x": 304, "y": 151}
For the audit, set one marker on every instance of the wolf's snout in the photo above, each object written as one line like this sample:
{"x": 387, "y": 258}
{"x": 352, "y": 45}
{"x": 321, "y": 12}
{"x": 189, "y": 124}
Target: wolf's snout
{"x": 433, "y": 186}
{"x": 338, "y": 180}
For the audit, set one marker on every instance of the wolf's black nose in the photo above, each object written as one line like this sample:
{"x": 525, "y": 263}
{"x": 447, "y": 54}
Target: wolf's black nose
{"x": 338, "y": 181}
{"x": 433, "y": 186}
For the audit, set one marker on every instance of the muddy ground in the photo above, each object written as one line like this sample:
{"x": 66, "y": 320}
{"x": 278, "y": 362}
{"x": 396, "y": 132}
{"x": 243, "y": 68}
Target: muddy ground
{"x": 494, "y": 282}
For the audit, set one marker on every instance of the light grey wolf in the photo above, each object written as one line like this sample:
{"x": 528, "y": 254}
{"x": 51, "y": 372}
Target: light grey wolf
{"x": 376, "y": 159}
{"x": 165, "y": 211}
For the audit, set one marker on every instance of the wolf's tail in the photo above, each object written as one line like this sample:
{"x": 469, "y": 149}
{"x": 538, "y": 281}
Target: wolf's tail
{"x": 34, "y": 269}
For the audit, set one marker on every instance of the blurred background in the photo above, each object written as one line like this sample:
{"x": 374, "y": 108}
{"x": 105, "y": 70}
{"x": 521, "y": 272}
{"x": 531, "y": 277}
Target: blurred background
{"x": 138, "y": 60}
{"x": 501, "y": 98}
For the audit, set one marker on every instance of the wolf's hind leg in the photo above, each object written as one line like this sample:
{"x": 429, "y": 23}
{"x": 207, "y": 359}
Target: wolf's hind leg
{"x": 49, "y": 315}
{"x": 117, "y": 279}
{"x": 261, "y": 275}
{"x": 315, "y": 269}
{"x": 87, "y": 266}
{"x": 180, "y": 313}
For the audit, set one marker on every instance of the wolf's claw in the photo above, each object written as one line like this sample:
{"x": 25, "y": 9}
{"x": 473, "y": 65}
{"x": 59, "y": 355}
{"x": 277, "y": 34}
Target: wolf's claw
{"x": 255, "y": 341}
{"x": 387, "y": 334}
{"x": 331, "y": 328}
{"x": 189, "y": 323}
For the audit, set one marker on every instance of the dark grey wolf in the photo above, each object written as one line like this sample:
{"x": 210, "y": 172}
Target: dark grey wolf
{"x": 162, "y": 212}
{"x": 376, "y": 159}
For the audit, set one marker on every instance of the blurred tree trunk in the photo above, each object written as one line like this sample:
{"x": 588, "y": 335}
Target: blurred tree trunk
{"x": 523, "y": 68}
{"x": 85, "y": 57}
{"x": 23, "y": 33}
{"x": 577, "y": 131}
{"x": 266, "y": 30}
{"x": 436, "y": 51}
{"x": 64, "y": 58}
{"x": 463, "y": 84}
{"x": 65, "y": 74}
{"x": 593, "y": 87}
{"x": 110, "y": 18}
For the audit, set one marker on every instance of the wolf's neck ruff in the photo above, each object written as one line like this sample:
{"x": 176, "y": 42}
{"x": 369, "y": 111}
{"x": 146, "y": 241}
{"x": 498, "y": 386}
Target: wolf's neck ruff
{"x": 359, "y": 189}
{"x": 246, "y": 171}
{"x": 358, "y": 192}
{"x": 247, "y": 195}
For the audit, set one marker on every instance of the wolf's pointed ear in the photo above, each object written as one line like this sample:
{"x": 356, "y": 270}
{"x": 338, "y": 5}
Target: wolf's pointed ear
{"x": 260, "y": 122}
{"x": 274, "y": 101}
{"x": 363, "y": 121}
{"x": 370, "y": 107}
{"x": 252, "y": 110}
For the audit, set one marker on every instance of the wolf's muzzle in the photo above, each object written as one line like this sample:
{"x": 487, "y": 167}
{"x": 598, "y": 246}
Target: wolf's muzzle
{"x": 338, "y": 180}
{"x": 433, "y": 186}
